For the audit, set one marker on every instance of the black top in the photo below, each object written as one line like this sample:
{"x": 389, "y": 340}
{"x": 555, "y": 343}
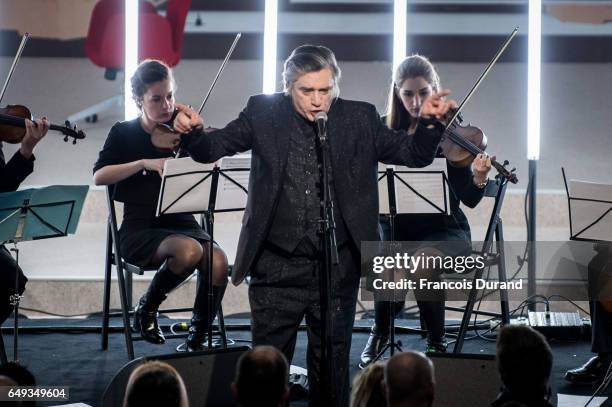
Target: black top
{"x": 15, "y": 171}
{"x": 438, "y": 227}
{"x": 141, "y": 231}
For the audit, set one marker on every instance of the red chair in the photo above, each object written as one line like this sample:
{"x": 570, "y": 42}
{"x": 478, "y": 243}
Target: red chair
{"x": 159, "y": 38}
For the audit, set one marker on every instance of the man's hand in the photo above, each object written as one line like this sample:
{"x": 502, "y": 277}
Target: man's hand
{"x": 437, "y": 106}
{"x": 35, "y": 131}
{"x": 187, "y": 119}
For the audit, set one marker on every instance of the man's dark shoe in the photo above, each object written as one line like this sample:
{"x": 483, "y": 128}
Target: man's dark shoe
{"x": 375, "y": 344}
{"x": 145, "y": 322}
{"x": 592, "y": 372}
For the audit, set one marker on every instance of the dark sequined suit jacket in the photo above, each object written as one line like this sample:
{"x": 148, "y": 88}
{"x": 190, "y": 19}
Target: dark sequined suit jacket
{"x": 358, "y": 141}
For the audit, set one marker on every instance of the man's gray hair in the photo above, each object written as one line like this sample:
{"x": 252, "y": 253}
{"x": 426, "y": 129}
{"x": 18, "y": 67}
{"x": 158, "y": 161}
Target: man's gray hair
{"x": 310, "y": 58}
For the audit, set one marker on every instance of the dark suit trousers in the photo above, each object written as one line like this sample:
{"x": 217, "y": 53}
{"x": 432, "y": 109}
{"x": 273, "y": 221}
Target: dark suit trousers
{"x": 283, "y": 290}
{"x": 8, "y": 266}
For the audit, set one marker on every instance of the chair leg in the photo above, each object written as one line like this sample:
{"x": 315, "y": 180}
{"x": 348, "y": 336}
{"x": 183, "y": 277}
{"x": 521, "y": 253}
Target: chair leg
{"x": 222, "y": 331}
{"x": 129, "y": 285}
{"x": 107, "y": 287}
{"x": 3, "y": 358}
{"x": 501, "y": 268}
{"x": 127, "y": 328}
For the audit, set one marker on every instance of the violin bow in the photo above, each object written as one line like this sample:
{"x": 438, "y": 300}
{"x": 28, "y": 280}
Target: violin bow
{"x": 482, "y": 76}
{"x": 214, "y": 82}
{"x": 24, "y": 39}
{"x": 499, "y": 167}
{"x": 221, "y": 68}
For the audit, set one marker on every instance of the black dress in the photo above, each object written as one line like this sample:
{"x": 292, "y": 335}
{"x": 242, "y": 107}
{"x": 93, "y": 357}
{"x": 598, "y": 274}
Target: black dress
{"x": 440, "y": 227}
{"x": 141, "y": 231}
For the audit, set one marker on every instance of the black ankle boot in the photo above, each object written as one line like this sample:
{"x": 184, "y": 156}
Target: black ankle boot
{"x": 201, "y": 317}
{"x": 145, "y": 313}
{"x": 375, "y": 344}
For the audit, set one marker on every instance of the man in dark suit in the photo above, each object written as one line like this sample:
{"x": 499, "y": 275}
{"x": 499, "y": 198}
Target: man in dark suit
{"x": 599, "y": 274}
{"x": 12, "y": 173}
{"x": 279, "y": 244}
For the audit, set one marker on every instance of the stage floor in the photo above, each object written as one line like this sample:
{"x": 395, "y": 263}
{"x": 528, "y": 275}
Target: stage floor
{"x": 74, "y": 357}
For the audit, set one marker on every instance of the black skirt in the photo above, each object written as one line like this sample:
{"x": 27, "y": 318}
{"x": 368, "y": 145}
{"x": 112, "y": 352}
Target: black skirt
{"x": 140, "y": 238}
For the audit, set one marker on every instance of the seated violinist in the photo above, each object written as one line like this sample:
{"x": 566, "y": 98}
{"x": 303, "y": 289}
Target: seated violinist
{"x": 414, "y": 81}
{"x": 12, "y": 173}
{"x": 175, "y": 243}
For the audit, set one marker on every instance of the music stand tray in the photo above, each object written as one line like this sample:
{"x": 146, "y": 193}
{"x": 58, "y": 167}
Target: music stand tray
{"x": 38, "y": 213}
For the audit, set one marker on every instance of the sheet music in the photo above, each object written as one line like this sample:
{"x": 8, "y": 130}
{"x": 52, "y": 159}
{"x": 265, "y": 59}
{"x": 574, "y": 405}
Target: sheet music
{"x": 570, "y": 400}
{"x": 230, "y": 195}
{"x": 584, "y": 213}
{"x": 428, "y": 182}
{"x": 186, "y": 185}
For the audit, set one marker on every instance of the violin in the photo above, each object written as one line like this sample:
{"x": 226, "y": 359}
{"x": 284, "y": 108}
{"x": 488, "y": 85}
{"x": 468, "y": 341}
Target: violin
{"x": 164, "y": 137}
{"x": 13, "y": 128}
{"x": 461, "y": 144}
{"x": 12, "y": 117}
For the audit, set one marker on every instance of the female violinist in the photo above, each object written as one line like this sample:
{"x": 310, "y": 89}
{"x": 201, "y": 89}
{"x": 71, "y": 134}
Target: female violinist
{"x": 414, "y": 80}
{"x": 12, "y": 173}
{"x": 174, "y": 243}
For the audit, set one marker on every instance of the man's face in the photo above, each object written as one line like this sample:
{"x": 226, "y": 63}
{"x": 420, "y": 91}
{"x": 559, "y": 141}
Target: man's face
{"x": 312, "y": 93}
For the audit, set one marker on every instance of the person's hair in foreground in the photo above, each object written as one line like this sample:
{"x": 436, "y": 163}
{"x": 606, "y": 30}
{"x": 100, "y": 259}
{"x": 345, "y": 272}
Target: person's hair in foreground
{"x": 367, "y": 387}
{"x": 155, "y": 383}
{"x": 261, "y": 378}
{"x": 409, "y": 380}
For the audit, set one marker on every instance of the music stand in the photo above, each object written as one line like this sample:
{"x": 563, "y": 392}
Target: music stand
{"x": 189, "y": 187}
{"x": 591, "y": 215}
{"x": 390, "y": 175}
{"x": 34, "y": 214}
{"x": 589, "y": 211}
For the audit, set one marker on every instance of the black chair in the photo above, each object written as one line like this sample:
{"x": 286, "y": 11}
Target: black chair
{"x": 125, "y": 271}
{"x": 495, "y": 189}
{"x": 3, "y": 358}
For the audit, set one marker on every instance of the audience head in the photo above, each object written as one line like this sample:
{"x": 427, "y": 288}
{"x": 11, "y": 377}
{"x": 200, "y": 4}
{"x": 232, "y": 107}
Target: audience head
{"x": 524, "y": 361}
{"x": 155, "y": 384}
{"x": 261, "y": 378}
{"x": 409, "y": 380}
{"x": 13, "y": 374}
{"x": 19, "y": 374}
{"x": 367, "y": 387}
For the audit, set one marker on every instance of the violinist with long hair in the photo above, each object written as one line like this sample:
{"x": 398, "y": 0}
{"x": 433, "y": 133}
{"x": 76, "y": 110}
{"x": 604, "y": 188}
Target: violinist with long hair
{"x": 174, "y": 243}
{"x": 415, "y": 79}
{"x": 12, "y": 174}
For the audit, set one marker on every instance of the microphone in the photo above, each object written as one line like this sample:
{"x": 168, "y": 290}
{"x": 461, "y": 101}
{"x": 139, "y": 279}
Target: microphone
{"x": 321, "y": 120}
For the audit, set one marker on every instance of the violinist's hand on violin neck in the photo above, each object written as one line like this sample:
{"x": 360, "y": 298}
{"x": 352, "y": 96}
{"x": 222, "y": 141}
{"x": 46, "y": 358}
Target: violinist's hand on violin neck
{"x": 35, "y": 131}
{"x": 187, "y": 119}
{"x": 436, "y": 105}
{"x": 154, "y": 164}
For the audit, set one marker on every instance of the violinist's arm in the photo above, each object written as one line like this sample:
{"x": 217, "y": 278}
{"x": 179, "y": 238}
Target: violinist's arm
{"x": 113, "y": 166}
{"x": 13, "y": 173}
{"x": 111, "y": 174}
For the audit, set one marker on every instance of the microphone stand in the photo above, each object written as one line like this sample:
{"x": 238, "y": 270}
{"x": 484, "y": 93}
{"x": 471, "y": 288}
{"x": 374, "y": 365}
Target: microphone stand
{"x": 330, "y": 259}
